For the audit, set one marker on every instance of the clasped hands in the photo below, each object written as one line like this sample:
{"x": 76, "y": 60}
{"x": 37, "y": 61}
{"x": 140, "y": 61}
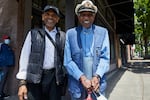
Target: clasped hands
{"x": 90, "y": 85}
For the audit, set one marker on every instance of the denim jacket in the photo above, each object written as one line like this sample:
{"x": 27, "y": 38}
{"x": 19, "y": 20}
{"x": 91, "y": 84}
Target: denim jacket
{"x": 7, "y": 57}
{"x": 73, "y": 57}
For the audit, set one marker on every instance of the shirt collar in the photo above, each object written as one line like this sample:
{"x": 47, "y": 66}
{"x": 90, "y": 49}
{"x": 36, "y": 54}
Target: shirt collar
{"x": 87, "y": 30}
{"x": 52, "y": 31}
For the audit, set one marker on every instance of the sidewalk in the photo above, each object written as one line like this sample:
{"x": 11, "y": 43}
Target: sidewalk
{"x": 130, "y": 83}
{"x": 126, "y": 83}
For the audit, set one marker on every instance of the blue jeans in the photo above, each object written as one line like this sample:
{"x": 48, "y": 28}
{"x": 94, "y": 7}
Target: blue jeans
{"x": 4, "y": 74}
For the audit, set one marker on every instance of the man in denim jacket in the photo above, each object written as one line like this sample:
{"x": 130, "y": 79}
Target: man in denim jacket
{"x": 87, "y": 54}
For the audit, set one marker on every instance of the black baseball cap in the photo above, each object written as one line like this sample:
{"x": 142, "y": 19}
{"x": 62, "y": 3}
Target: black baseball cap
{"x": 49, "y": 7}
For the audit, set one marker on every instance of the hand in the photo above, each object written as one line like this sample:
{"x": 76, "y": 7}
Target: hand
{"x": 95, "y": 83}
{"x": 22, "y": 92}
{"x": 85, "y": 82}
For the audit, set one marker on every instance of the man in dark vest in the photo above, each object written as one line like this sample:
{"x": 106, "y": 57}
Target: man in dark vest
{"x": 41, "y": 57}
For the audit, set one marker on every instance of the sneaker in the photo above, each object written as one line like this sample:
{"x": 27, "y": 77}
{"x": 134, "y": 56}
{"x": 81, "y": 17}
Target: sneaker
{"x": 1, "y": 97}
{"x": 6, "y": 96}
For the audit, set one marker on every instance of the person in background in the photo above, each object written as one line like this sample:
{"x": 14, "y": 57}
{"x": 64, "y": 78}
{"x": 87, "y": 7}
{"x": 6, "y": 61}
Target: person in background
{"x": 40, "y": 60}
{"x": 7, "y": 60}
{"x": 86, "y": 54}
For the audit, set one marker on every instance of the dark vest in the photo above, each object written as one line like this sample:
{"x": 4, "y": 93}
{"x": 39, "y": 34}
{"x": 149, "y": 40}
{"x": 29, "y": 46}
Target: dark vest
{"x": 36, "y": 58}
{"x": 35, "y": 64}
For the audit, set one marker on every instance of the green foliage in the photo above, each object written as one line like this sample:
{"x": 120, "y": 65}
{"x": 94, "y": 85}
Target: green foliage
{"x": 142, "y": 23}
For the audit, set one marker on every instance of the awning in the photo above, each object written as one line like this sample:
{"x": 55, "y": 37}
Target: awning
{"x": 124, "y": 12}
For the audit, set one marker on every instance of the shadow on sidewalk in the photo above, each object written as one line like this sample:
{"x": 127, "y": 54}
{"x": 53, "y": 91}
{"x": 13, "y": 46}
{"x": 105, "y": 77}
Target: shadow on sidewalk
{"x": 113, "y": 80}
{"x": 143, "y": 68}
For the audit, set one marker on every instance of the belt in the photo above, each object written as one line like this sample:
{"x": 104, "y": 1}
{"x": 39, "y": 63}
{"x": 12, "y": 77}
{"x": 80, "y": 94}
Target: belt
{"x": 45, "y": 71}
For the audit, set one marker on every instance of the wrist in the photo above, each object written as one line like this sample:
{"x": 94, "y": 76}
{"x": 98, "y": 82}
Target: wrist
{"x": 22, "y": 82}
{"x": 97, "y": 76}
{"x": 82, "y": 78}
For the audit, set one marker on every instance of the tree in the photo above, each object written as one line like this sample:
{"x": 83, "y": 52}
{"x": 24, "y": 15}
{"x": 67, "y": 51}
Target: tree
{"x": 142, "y": 23}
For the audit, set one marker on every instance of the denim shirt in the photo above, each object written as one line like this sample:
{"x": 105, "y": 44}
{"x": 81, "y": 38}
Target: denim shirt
{"x": 87, "y": 42}
{"x": 73, "y": 57}
{"x": 86, "y": 37}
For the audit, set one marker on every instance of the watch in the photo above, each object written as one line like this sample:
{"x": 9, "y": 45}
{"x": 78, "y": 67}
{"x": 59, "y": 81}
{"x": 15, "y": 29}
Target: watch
{"x": 22, "y": 82}
{"x": 96, "y": 75}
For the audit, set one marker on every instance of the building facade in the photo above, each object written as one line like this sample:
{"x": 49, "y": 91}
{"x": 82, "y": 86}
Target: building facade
{"x": 19, "y": 16}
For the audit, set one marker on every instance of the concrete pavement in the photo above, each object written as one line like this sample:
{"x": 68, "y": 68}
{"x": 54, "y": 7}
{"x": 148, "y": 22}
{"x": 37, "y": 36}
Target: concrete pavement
{"x": 130, "y": 83}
